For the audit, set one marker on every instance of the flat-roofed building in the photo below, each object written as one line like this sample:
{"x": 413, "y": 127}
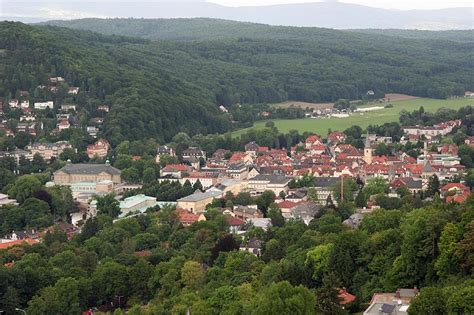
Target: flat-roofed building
{"x": 137, "y": 203}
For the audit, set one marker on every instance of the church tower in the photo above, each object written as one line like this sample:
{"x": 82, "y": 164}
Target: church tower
{"x": 368, "y": 151}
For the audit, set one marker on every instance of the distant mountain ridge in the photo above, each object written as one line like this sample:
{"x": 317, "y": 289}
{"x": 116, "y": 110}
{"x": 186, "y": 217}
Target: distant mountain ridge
{"x": 321, "y": 14}
{"x": 214, "y": 29}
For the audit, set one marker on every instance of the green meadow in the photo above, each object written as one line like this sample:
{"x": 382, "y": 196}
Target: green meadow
{"x": 377, "y": 117}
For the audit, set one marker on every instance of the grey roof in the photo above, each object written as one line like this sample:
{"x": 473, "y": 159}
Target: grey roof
{"x": 428, "y": 168}
{"x": 325, "y": 181}
{"x": 197, "y": 196}
{"x": 254, "y": 243}
{"x": 236, "y": 166}
{"x": 273, "y": 179}
{"x": 306, "y": 209}
{"x": 89, "y": 169}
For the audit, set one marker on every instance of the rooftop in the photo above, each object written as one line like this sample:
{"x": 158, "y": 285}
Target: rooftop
{"x": 89, "y": 169}
{"x": 198, "y": 196}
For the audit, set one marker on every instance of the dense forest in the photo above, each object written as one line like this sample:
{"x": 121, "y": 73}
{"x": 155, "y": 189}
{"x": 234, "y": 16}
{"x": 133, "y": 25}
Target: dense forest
{"x": 158, "y": 88}
{"x": 154, "y": 265}
{"x": 206, "y": 28}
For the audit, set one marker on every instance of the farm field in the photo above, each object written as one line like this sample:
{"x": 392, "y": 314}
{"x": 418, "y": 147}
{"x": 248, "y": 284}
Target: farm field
{"x": 377, "y": 117}
{"x": 303, "y": 105}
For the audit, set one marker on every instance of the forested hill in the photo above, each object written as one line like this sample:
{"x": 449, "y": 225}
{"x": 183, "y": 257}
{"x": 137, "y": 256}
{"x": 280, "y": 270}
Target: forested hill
{"x": 205, "y": 28}
{"x": 157, "y": 88}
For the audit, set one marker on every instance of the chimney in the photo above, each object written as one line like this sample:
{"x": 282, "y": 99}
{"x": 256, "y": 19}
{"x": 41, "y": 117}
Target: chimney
{"x": 397, "y": 294}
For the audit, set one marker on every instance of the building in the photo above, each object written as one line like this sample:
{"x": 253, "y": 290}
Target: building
{"x": 164, "y": 150}
{"x": 391, "y": 303}
{"x": 305, "y": 211}
{"x": 193, "y": 153}
{"x": 76, "y": 173}
{"x": 137, "y": 203}
{"x": 324, "y": 187}
{"x": 238, "y": 170}
{"x": 4, "y": 200}
{"x": 68, "y": 107}
{"x": 196, "y": 203}
{"x": 187, "y": 218}
{"x": 49, "y": 150}
{"x": 368, "y": 151}
{"x": 260, "y": 183}
{"x": 175, "y": 170}
{"x": 99, "y": 149}
{"x": 44, "y": 105}
{"x": 254, "y": 246}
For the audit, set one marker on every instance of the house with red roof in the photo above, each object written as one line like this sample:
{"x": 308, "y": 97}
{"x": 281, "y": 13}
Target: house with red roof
{"x": 186, "y": 218}
{"x": 455, "y": 192}
{"x": 336, "y": 137}
{"x": 235, "y": 224}
{"x": 27, "y": 241}
{"x": 345, "y": 297}
{"x": 100, "y": 149}
{"x": 312, "y": 140}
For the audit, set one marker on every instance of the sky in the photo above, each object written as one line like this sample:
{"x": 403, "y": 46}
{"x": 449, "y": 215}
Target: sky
{"x": 386, "y": 4}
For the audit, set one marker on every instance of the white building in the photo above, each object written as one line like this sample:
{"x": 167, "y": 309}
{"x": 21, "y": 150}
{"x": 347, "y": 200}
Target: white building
{"x": 44, "y": 105}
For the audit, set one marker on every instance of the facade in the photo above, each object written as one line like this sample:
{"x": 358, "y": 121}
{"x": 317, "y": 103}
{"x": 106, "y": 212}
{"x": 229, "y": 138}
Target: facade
{"x": 76, "y": 173}
{"x": 164, "y": 150}
{"x": 260, "y": 183}
{"x": 49, "y": 150}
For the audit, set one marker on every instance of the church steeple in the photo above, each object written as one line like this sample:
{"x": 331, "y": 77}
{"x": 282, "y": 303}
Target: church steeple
{"x": 368, "y": 151}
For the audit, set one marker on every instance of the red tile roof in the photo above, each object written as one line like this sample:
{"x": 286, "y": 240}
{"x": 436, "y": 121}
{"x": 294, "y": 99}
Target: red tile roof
{"x": 28, "y": 241}
{"x": 345, "y": 297}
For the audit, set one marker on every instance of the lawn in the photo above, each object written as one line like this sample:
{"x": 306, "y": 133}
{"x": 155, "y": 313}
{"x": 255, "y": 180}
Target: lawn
{"x": 321, "y": 126}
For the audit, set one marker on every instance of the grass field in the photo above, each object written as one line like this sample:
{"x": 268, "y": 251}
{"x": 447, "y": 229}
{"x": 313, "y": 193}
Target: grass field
{"x": 321, "y": 126}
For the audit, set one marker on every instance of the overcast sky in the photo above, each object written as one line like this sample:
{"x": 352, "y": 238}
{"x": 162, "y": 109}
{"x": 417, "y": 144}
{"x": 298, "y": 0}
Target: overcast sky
{"x": 388, "y": 4}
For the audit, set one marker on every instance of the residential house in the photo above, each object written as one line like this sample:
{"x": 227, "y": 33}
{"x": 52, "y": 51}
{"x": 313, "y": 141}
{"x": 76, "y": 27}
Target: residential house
{"x": 187, "y": 218}
{"x": 13, "y": 103}
{"x": 247, "y": 212}
{"x": 164, "y": 150}
{"x": 263, "y": 223}
{"x": 49, "y": 150}
{"x": 412, "y": 184}
{"x": 63, "y": 124}
{"x": 44, "y": 105}
{"x": 4, "y": 200}
{"x": 391, "y": 303}
{"x": 99, "y": 149}
{"x": 254, "y": 246}
{"x": 306, "y": 211}
{"x": 324, "y": 187}
{"x": 73, "y": 90}
{"x": 235, "y": 224}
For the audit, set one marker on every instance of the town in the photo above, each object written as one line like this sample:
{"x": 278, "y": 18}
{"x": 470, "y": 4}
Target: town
{"x": 256, "y": 187}
{"x": 204, "y": 166}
